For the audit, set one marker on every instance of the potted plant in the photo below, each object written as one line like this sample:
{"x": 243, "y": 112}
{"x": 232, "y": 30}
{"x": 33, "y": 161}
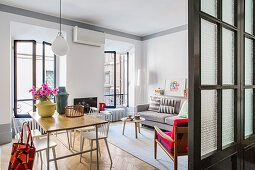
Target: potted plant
{"x": 46, "y": 107}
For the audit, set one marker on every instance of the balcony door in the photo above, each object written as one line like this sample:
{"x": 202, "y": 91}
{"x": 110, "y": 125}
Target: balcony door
{"x": 116, "y": 73}
{"x": 34, "y": 64}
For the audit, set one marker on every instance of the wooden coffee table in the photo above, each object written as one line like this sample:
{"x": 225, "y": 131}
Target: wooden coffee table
{"x": 135, "y": 121}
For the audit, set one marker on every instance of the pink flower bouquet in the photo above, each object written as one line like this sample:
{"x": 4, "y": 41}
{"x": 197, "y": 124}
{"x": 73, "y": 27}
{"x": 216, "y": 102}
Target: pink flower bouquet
{"x": 44, "y": 93}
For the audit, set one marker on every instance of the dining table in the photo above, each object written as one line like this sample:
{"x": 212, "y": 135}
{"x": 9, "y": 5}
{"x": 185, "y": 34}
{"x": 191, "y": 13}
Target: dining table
{"x": 60, "y": 122}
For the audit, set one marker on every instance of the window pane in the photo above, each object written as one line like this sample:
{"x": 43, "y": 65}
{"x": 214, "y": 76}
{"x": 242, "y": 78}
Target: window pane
{"x": 208, "y": 53}
{"x": 39, "y": 70}
{"x": 121, "y": 80}
{"x": 248, "y": 112}
{"x": 228, "y": 11}
{"x": 109, "y": 79}
{"x": 227, "y": 117}
{"x": 248, "y": 61}
{"x": 249, "y": 16}
{"x": 24, "y": 70}
{"x": 209, "y": 7}
{"x": 49, "y": 67}
{"x": 24, "y": 48}
{"x": 228, "y": 53}
{"x": 208, "y": 121}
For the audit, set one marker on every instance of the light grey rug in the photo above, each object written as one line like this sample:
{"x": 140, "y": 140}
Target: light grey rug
{"x": 143, "y": 147}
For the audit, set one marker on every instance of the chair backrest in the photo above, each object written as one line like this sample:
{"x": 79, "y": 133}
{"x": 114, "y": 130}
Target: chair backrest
{"x": 15, "y": 126}
{"x": 182, "y": 139}
{"x": 93, "y": 111}
{"x": 104, "y": 129}
{"x": 25, "y": 128}
{"x": 180, "y": 136}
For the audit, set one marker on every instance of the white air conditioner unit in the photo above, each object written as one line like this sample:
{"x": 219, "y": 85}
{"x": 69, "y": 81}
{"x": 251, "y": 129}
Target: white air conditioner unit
{"x": 88, "y": 37}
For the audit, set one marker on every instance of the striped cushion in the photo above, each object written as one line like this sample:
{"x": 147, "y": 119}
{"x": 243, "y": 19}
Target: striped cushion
{"x": 166, "y": 109}
{"x": 154, "y": 104}
{"x": 168, "y": 102}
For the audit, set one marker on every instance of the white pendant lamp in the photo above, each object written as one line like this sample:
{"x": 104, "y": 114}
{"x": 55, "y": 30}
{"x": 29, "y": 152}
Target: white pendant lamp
{"x": 59, "y": 46}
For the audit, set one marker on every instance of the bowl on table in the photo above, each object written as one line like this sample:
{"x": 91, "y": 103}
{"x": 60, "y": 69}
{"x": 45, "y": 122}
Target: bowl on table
{"x": 137, "y": 117}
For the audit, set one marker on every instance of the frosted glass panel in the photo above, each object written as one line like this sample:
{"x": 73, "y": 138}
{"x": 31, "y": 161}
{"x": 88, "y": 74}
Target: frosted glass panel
{"x": 208, "y": 53}
{"x": 228, "y": 53}
{"x": 209, "y": 7}
{"x": 248, "y": 61}
{"x": 228, "y": 11}
{"x": 248, "y": 112}
{"x": 227, "y": 117}
{"x": 208, "y": 121}
{"x": 249, "y": 16}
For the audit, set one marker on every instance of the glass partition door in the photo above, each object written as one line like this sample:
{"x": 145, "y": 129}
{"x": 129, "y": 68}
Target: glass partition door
{"x": 221, "y": 84}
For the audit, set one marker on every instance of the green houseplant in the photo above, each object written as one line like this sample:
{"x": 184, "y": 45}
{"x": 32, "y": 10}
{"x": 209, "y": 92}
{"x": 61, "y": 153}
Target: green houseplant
{"x": 46, "y": 107}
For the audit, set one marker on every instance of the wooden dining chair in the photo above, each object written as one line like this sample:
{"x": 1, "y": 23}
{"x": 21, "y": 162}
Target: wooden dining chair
{"x": 93, "y": 111}
{"x": 91, "y": 136}
{"x": 41, "y": 145}
{"x": 174, "y": 143}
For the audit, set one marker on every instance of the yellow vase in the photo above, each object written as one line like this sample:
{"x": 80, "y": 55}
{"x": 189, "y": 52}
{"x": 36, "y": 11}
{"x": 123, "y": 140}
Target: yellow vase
{"x": 46, "y": 108}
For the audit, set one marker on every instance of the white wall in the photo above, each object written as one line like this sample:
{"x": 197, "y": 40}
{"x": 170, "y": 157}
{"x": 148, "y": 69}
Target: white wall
{"x": 85, "y": 71}
{"x": 5, "y": 70}
{"x": 166, "y": 57}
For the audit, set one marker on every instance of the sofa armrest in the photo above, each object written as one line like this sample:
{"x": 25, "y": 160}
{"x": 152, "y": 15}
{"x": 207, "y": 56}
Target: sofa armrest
{"x": 142, "y": 107}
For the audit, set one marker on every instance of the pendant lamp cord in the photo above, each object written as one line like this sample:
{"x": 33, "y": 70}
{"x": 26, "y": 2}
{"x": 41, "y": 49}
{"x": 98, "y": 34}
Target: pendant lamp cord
{"x": 60, "y": 17}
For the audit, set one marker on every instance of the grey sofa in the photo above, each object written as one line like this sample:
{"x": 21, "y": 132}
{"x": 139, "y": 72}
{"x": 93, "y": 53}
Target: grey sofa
{"x": 163, "y": 120}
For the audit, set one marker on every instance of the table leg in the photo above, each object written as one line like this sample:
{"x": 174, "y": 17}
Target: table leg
{"x": 68, "y": 139}
{"x": 124, "y": 126}
{"x": 135, "y": 130}
{"x": 139, "y": 127}
{"x": 97, "y": 147}
{"x": 48, "y": 151}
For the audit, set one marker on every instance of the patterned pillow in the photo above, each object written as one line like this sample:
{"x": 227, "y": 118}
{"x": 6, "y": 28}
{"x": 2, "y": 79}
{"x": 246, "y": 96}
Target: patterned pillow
{"x": 166, "y": 109}
{"x": 168, "y": 102}
{"x": 154, "y": 104}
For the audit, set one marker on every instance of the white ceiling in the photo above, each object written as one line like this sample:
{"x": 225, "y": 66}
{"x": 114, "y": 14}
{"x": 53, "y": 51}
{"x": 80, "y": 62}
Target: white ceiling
{"x": 138, "y": 17}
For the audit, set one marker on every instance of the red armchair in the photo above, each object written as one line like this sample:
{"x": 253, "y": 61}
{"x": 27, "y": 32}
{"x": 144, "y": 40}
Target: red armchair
{"x": 174, "y": 143}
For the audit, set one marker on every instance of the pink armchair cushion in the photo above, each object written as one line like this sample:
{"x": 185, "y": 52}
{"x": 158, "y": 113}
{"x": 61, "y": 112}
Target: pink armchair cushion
{"x": 170, "y": 145}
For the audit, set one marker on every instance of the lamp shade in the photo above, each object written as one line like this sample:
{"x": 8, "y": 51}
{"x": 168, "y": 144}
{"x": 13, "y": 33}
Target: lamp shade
{"x": 59, "y": 46}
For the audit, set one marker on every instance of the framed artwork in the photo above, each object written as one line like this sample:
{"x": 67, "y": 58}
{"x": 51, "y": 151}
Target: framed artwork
{"x": 175, "y": 87}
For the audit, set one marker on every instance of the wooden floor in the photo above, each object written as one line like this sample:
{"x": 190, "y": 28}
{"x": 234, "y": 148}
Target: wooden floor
{"x": 121, "y": 159}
